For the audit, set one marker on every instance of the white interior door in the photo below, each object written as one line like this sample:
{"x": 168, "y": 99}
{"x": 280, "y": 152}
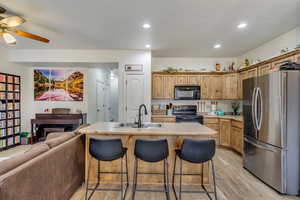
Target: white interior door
{"x": 100, "y": 97}
{"x": 135, "y": 95}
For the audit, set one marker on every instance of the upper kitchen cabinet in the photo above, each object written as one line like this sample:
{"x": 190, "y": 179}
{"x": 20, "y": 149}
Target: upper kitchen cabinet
{"x": 169, "y": 84}
{"x": 211, "y": 87}
{"x": 158, "y": 91}
{"x": 230, "y": 86}
{"x": 195, "y": 80}
{"x": 264, "y": 69}
{"x": 276, "y": 64}
{"x": 181, "y": 80}
{"x": 163, "y": 86}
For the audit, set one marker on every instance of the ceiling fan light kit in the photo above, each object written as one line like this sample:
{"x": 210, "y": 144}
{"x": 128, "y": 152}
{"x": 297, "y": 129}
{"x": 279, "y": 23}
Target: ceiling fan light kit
{"x": 9, "y": 39}
{"x": 7, "y": 24}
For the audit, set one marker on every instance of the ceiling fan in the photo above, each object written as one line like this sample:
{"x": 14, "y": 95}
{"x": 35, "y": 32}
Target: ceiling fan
{"x": 7, "y": 28}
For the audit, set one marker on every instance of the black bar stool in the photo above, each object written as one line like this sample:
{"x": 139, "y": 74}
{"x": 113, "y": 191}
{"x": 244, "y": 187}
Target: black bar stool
{"x": 151, "y": 151}
{"x": 195, "y": 151}
{"x": 107, "y": 150}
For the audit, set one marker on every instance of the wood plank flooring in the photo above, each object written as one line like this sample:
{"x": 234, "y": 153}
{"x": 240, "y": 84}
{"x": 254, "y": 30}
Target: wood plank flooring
{"x": 233, "y": 183}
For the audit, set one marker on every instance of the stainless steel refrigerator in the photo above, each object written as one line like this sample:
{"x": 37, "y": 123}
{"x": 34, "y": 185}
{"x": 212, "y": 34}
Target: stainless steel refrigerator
{"x": 271, "y": 107}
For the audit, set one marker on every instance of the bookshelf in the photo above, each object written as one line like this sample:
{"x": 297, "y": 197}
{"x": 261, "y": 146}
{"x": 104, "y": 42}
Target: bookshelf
{"x": 10, "y": 112}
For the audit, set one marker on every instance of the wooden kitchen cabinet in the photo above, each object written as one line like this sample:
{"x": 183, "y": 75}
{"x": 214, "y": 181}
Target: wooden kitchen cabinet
{"x": 195, "y": 80}
{"x": 164, "y": 119}
{"x": 264, "y": 69}
{"x": 181, "y": 79}
{"x": 169, "y": 85}
{"x": 158, "y": 91}
{"x": 237, "y": 136}
{"x": 230, "y": 86}
{"x": 212, "y": 87}
{"x": 276, "y": 65}
{"x": 225, "y": 131}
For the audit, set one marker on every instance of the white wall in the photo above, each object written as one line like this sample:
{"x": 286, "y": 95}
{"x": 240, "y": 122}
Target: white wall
{"x": 17, "y": 69}
{"x": 194, "y": 64}
{"x": 123, "y": 57}
{"x": 273, "y": 47}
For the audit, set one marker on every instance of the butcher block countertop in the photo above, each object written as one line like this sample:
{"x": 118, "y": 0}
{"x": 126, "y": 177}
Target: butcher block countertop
{"x": 166, "y": 129}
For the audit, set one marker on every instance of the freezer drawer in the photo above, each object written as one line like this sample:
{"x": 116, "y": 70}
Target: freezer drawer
{"x": 265, "y": 162}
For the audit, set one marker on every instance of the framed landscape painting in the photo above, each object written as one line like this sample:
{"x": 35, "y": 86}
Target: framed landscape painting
{"x": 58, "y": 85}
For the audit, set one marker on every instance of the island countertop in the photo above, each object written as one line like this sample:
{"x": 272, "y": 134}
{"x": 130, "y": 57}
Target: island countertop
{"x": 166, "y": 129}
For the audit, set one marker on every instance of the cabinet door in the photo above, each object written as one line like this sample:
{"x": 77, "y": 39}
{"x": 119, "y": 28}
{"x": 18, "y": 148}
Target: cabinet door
{"x": 225, "y": 126}
{"x": 230, "y": 86}
{"x": 157, "y": 86}
{"x": 216, "y": 86}
{"x": 194, "y": 80}
{"x": 169, "y": 84}
{"x": 252, "y": 73}
{"x": 181, "y": 80}
{"x": 237, "y": 139}
{"x": 205, "y": 90}
{"x": 277, "y": 64}
{"x": 264, "y": 69}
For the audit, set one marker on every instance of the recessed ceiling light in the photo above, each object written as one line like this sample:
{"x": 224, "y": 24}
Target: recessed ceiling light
{"x": 148, "y": 46}
{"x": 217, "y": 46}
{"x": 146, "y": 26}
{"x": 242, "y": 25}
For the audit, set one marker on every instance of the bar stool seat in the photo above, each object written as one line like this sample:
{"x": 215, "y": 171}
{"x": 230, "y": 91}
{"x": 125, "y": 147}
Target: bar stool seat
{"x": 197, "y": 152}
{"x": 107, "y": 150}
{"x": 151, "y": 151}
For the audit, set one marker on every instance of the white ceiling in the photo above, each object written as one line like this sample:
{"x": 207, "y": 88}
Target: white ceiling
{"x": 185, "y": 28}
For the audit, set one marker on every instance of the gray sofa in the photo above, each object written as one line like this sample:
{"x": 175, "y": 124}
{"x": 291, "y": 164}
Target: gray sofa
{"x": 52, "y": 170}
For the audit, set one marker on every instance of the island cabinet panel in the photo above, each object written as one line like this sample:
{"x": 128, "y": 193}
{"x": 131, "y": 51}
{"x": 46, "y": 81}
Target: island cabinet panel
{"x": 158, "y": 86}
{"x": 225, "y": 129}
{"x": 276, "y": 65}
{"x": 181, "y": 80}
{"x": 174, "y": 142}
{"x": 230, "y": 86}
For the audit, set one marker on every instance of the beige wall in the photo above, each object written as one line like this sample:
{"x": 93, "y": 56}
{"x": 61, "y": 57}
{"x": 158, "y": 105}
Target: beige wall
{"x": 273, "y": 47}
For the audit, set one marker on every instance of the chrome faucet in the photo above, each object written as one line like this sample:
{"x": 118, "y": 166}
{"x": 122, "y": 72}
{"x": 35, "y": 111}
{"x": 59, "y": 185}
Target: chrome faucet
{"x": 140, "y": 114}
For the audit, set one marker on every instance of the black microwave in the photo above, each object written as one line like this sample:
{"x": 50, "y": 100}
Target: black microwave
{"x": 187, "y": 93}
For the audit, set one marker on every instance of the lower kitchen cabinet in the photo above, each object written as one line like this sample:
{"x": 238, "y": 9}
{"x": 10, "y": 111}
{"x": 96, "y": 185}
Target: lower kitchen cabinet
{"x": 230, "y": 132}
{"x": 225, "y": 129}
{"x": 163, "y": 119}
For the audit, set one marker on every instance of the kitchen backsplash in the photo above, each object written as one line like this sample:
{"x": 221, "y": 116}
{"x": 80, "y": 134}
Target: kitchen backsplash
{"x": 224, "y": 105}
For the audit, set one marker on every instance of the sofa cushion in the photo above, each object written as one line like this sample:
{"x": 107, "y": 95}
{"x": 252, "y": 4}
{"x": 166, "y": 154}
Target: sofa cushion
{"x": 59, "y": 140}
{"x": 56, "y": 135}
{"x": 18, "y": 160}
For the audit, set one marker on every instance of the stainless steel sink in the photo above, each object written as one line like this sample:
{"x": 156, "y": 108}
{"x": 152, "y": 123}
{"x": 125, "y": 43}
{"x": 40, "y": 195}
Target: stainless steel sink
{"x": 133, "y": 125}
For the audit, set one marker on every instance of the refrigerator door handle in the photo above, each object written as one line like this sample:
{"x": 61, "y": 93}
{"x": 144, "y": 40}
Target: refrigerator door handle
{"x": 259, "y": 95}
{"x": 259, "y": 146}
{"x": 254, "y": 108}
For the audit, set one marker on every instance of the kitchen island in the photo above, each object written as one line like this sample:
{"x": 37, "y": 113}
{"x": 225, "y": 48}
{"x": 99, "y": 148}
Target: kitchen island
{"x": 173, "y": 132}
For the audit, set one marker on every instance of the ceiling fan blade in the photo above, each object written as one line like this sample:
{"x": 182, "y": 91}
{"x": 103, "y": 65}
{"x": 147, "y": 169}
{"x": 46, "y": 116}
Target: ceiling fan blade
{"x": 29, "y": 35}
{"x": 2, "y": 10}
{"x": 12, "y": 21}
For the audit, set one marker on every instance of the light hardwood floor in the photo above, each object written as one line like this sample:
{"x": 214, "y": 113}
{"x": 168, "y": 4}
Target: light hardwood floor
{"x": 233, "y": 183}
